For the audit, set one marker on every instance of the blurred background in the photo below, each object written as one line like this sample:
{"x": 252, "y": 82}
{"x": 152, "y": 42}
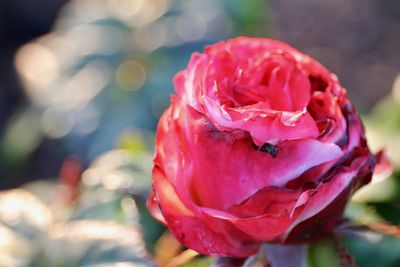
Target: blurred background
{"x": 83, "y": 83}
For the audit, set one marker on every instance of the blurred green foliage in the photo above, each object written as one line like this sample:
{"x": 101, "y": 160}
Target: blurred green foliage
{"x": 324, "y": 253}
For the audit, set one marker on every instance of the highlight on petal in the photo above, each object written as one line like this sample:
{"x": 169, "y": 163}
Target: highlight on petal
{"x": 265, "y": 126}
{"x": 154, "y": 209}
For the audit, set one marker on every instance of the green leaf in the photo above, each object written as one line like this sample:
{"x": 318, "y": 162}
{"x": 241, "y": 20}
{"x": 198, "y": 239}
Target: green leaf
{"x": 329, "y": 252}
{"x": 375, "y": 250}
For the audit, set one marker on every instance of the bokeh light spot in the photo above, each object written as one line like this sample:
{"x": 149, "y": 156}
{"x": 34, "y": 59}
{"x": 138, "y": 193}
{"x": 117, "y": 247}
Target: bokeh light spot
{"x": 37, "y": 65}
{"x": 56, "y": 123}
{"x": 131, "y": 75}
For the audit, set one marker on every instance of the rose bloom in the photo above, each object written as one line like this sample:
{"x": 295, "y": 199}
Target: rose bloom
{"x": 260, "y": 144}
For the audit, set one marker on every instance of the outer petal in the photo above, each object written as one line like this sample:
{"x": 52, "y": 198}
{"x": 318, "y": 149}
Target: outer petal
{"x": 154, "y": 208}
{"x": 323, "y": 206}
{"x": 316, "y": 200}
{"x": 269, "y": 200}
{"x": 189, "y": 229}
{"x": 266, "y": 228}
{"x": 190, "y": 83}
{"x": 173, "y": 166}
{"x": 355, "y": 128}
{"x": 315, "y": 213}
{"x": 247, "y": 47}
{"x": 228, "y": 158}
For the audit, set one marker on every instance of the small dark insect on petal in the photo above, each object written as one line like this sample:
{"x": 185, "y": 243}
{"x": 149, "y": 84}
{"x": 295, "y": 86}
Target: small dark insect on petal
{"x": 270, "y": 149}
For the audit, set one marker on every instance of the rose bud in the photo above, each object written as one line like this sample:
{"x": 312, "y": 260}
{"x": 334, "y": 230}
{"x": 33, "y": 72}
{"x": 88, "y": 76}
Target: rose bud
{"x": 260, "y": 145}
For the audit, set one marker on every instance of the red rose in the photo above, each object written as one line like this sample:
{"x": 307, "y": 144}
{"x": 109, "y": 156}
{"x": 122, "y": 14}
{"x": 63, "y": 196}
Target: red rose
{"x": 260, "y": 144}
